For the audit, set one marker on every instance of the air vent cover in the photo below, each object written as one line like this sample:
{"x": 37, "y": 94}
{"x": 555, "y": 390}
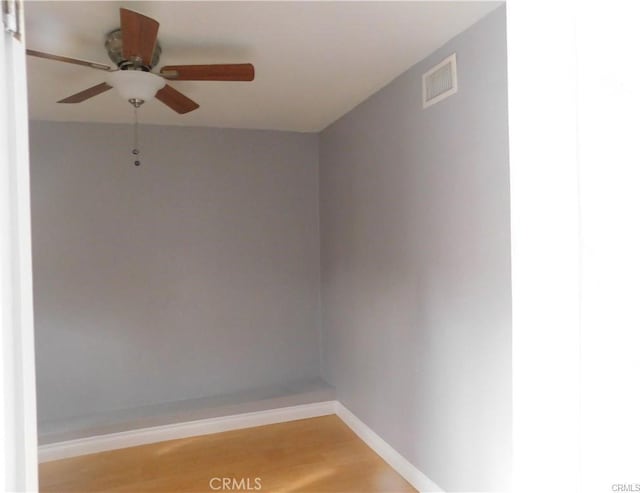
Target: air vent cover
{"x": 440, "y": 82}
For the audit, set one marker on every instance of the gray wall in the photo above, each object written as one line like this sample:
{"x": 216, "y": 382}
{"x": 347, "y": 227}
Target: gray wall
{"x": 193, "y": 275}
{"x": 415, "y": 261}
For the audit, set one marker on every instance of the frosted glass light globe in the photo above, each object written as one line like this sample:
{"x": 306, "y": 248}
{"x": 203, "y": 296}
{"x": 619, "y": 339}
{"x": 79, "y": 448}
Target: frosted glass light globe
{"x": 136, "y": 84}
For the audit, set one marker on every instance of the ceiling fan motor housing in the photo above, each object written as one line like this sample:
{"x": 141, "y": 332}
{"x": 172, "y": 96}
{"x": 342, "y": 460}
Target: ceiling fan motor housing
{"x": 113, "y": 44}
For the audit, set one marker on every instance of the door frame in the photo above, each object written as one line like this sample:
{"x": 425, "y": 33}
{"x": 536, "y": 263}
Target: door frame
{"x": 18, "y": 416}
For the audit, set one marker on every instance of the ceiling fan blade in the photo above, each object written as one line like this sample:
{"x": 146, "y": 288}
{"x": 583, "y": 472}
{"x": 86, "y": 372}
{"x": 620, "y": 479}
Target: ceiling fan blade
{"x": 232, "y": 72}
{"x": 175, "y": 100}
{"x": 75, "y": 61}
{"x": 139, "y": 35}
{"x": 86, "y": 94}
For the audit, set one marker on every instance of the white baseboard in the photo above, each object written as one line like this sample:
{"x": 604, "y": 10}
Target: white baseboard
{"x": 390, "y": 455}
{"x": 142, "y": 436}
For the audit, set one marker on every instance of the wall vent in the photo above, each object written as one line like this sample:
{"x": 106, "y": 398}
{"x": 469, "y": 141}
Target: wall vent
{"x": 440, "y": 82}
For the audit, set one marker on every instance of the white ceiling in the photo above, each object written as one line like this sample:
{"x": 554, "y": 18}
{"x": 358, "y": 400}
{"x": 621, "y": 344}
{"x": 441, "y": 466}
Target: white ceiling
{"x": 314, "y": 61}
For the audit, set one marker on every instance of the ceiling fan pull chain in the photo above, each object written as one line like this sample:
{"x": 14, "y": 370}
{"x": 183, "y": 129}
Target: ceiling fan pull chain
{"x": 135, "y": 150}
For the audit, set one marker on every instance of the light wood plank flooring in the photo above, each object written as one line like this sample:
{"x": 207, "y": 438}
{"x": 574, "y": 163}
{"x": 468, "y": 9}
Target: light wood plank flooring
{"x": 310, "y": 455}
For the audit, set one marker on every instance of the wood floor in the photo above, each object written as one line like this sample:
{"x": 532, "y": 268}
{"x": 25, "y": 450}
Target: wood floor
{"x": 310, "y": 455}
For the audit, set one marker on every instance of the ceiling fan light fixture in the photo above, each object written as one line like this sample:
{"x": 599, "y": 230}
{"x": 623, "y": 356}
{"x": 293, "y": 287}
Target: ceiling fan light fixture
{"x": 136, "y": 85}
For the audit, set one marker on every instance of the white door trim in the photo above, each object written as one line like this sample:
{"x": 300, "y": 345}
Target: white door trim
{"x": 18, "y": 422}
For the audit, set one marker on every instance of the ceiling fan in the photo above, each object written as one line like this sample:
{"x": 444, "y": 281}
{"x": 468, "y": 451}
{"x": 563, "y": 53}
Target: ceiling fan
{"x": 135, "y": 51}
